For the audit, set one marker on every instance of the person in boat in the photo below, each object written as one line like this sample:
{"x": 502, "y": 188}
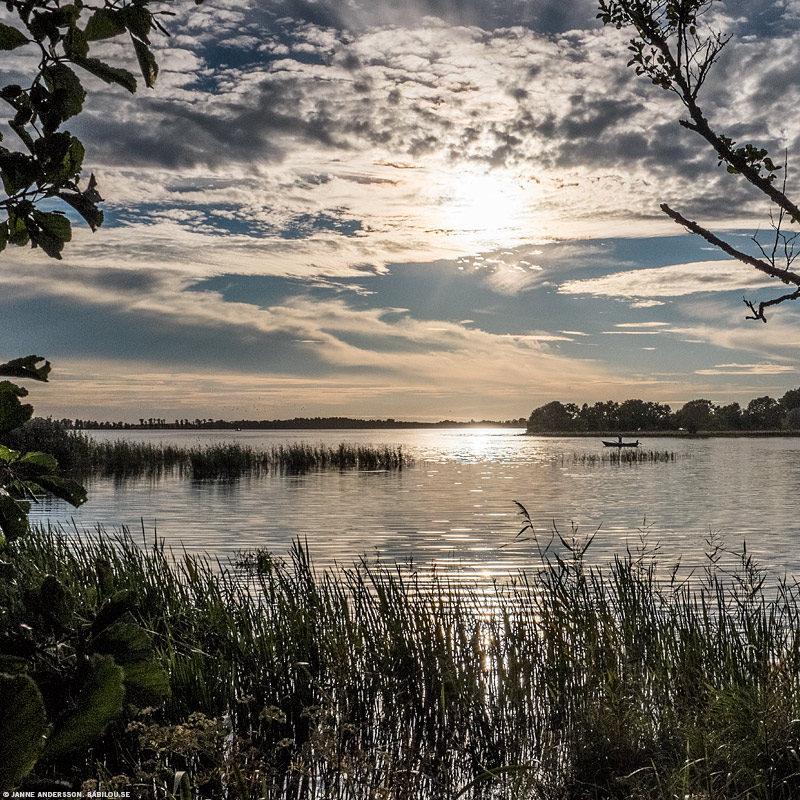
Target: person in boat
{"x": 619, "y": 439}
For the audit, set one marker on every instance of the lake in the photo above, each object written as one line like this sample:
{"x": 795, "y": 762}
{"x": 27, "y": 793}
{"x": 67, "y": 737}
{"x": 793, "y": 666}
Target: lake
{"x": 455, "y": 508}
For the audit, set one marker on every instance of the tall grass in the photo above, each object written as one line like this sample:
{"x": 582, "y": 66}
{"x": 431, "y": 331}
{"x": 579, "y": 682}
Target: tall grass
{"x": 623, "y": 456}
{"x": 83, "y": 456}
{"x": 570, "y": 682}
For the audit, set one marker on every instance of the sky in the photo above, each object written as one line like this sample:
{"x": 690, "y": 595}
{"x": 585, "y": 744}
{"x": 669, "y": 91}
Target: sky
{"x": 421, "y": 210}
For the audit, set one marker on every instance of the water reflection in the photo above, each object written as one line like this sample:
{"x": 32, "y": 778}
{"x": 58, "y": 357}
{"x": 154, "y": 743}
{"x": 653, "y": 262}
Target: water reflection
{"x": 455, "y": 508}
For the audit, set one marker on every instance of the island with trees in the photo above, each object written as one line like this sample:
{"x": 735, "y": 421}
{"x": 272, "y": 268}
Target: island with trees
{"x": 761, "y": 414}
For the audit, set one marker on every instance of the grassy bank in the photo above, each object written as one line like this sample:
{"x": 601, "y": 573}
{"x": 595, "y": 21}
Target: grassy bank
{"x": 80, "y": 455}
{"x": 573, "y": 682}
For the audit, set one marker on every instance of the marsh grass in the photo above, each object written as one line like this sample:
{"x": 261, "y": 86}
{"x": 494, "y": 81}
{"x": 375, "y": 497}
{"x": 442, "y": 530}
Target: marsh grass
{"x": 622, "y": 456}
{"x": 79, "y": 454}
{"x": 573, "y": 681}
{"x": 225, "y": 461}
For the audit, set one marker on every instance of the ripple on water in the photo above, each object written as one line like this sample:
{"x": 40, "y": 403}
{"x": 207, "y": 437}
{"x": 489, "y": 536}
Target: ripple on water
{"x": 455, "y": 508}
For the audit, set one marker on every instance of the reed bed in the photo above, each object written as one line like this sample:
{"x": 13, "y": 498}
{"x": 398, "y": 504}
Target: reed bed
{"x": 226, "y": 460}
{"x": 573, "y": 681}
{"x": 83, "y": 456}
{"x": 620, "y": 456}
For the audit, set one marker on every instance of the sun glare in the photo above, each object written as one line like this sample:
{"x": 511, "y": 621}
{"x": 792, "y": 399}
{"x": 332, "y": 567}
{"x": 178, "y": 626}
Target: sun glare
{"x": 485, "y": 207}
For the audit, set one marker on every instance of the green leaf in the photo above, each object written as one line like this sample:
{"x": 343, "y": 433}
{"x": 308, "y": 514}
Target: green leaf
{"x": 146, "y": 682}
{"x": 61, "y": 157}
{"x": 54, "y": 602}
{"x": 85, "y": 207}
{"x": 66, "y": 16}
{"x": 132, "y": 649}
{"x": 66, "y": 89}
{"x": 13, "y": 517}
{"x": 99, "y": 704}
{"x": 18, "y": 171}
{"x": 147, "y": 62}
{"x": 105, "y": 23}
{"x": 25, "y": 368}
{"x": 44, "y": 25}
{"x": 12, "y": 412}
{"x": 11, "y": 38}
{"x": 3, "y": 235}
{"x": 8, "y": 455}
{"x": 108, "y": 74}
{"x": 23, "y": 725}
{"x": 127, "y": 642}
{"x": 75, "y": 43}
{"x": 85, "y": 203}
{"x": 115, "y": 607}
{"x": 138, "y": 21}
{"x": 36, "y": 458}
{"x": 64, "y": 488}
{"x": 18, "y": 231}
{"x": 54, "y": 230}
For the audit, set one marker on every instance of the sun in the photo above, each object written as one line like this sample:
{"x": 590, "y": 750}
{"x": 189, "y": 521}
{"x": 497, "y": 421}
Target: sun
{"x": 485, "y": 207}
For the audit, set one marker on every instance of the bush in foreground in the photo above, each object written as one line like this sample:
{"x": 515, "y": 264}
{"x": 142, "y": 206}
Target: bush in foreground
{"x": 572, "y": 682}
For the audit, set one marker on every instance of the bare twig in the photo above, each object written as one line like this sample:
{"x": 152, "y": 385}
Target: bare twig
{"x": 784, "y": 275}
{"x": 758, "y": 313}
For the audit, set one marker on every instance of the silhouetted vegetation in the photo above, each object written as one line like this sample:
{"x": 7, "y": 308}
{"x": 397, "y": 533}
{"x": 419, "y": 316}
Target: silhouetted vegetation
{"x": 571, "y": 682}
{"x": 761, "y": 413}
{"x": 81, "y": 455}
{"x": 46, "y": 169}
{"x": 622, "y": 456}
{"x": 675, "y": 45}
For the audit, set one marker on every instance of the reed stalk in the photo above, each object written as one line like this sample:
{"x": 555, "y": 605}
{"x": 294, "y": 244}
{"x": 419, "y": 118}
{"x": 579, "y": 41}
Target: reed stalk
{"x": 572, "y": 681}
{"x": 79, "y": 454}
{"x": 620, "y": 456}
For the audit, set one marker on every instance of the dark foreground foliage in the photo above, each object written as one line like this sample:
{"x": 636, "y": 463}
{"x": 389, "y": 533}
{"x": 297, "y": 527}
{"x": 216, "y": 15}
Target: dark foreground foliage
{"x": 573, "y": 682}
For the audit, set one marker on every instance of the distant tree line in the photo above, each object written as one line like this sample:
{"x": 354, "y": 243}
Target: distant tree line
{"x": 761, "y": 413}
{"x": 311, "y": 423}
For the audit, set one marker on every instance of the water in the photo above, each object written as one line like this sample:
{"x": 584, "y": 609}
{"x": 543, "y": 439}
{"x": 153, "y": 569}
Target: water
{"x": 455, "y": 508}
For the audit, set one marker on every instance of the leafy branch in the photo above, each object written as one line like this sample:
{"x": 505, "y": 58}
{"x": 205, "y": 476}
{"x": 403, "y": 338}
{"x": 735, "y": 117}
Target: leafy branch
{"x": 673, "y": 49}
{"x": 24, "y": 476}
{"x": 48, "y": 161}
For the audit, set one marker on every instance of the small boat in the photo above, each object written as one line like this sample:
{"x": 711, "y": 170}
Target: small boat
{"x": 620, "y": 443}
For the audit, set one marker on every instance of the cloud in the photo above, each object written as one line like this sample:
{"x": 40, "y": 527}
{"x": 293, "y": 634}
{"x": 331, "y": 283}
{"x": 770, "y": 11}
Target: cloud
{"x": 747, "y": 369}
{"x": 651, "y": 324}
{"x": 632, "y": 333}
{"x": 277, "y": 119}
{"x": 646, "y": 303}
{"x": 675, "y": 280}
{"x": 324, "y": 144}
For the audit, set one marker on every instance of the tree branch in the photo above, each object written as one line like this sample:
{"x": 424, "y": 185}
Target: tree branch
{"x": 700, "y": 126}
{"x": 784, "y": 275}
{"x": 758, "y": 313}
